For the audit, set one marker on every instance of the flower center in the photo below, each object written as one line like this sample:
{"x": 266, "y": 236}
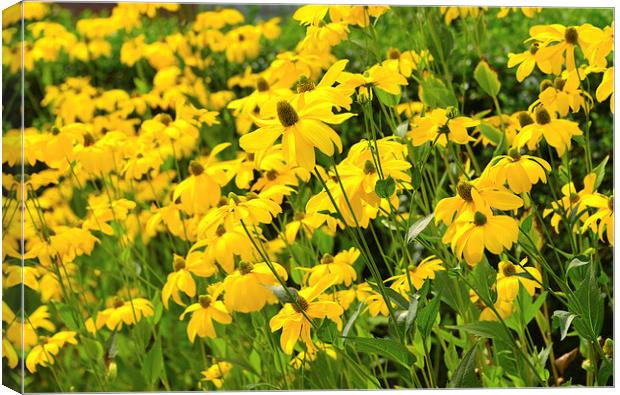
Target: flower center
{"x": 220, "y": 230}
{"x": 55, "y": 131}
{"x": 304, "y": 84}
{"x": 463, "y": 189}
{"x": 394, "y": 53}
{"x": 262, "y": 85}
{"x": 251, "y": 156}
{"x": 205, "y": 301}
{"x": 610, "y": 203}
{"x": 525, "y": 119}
{"x": 88, "y": 140}
{"x": 286, "y": 114}
{"x": 165, "y": 119}
{"x": 480, "y": 219}
{"x": 241, "y": 37}
{"x": 559, "y": 83}
{"x": 271, "y": 175}
{"x": 571, "y": 36}
{"x": 299, "y": 216}
{"x": 369, "y": 168}
{"x": 223, "y": 202}
{"x": 233, "y": 196}
{"x": 303, "y": 303}
{"x": 534, "y": 48}
{"x": 327, "y": 259}
{"x": 574, "y": 198}
{"x": 514, "y": 154}
{"x": 509, "y": 270}
{"x": 245, "y": 267}
{"x": 451, "y": 112}
{"x": 195, "y": 168}
{"x": 118, "y": 302}
{"x": 178, "y": 263}
{"x": 542, "y": 116}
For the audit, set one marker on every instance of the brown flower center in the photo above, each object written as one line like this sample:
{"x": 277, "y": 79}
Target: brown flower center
{"x": 534, "y": 48}
{"x": 195, "y": 168}
{"x": 286, "y": 114}
{"x": 304, "y": 84}
{"x": 525, "y": 119}
{"x": 220, "y": 230}
{"x": 542, "y": 116}
{"x": 369, "y": 168}
{"x": 178, "y": 263}
{"x": 571, "y": 36}
{"x": 245, "y": 267}
{"x": 327, "y": 259}
{"x": 303, "y": 304}
{"x": 559, "y": 83}
{"x": 262, "y": 85}
{"x": 514, "y": 154}
{"x": 463, "y": 189}
{"x": 480, "y": 219}
{"x": 118, "y": 302}
{"x": 205, "y": 301}
{"x": 165, "y": 119}
{"x": 271, "y": 175}
{"x": 509, "y": 270}
{"x": 393, "y": 53}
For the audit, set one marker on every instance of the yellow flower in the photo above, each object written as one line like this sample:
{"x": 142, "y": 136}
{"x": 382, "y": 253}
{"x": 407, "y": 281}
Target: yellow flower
{"x": 566, "y": 39}
{"x": 520, "y": 171}
{"x": 304, "y": 357}
{"x": 247, "y": 287}
{"x": 294, "y": 323}
{"x": 324, "y": 92}
{"x": 476, "y": 195}
{"x": 18, "y": 331}
{"x": 597, "y": 43}
{"x": 416, "y": 276}
{"x": 216, "y": 373}
{"x": 557, "y": 132}
{"x": 563, "y": 95}
{"x": 603, "y": 220}
{"x": 528, "y": 60}
{"x": 204, "y": 312}
{"x": 224, "y": 244}
{"x": 201, "y": 190}
{"x": 606, "y": 88}
{"x": 43, "y": 354}
{"x": 440, "y": 126}
{"x": 121, "y": 312}
{"x": 373, "y": 299}
{"x": 181, "y": 279}
{"x": 509, "y": 277}
{"x": 302, "y": 129}
{"x": 340, "y": 266}
{"x": 571, "y": 202}
{"x": 406, "y": 62}
{"x": 472, "y": 233}
{"x": 8, "y": 352}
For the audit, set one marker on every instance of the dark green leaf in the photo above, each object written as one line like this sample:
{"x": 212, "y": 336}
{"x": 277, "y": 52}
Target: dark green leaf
{"x": 426, "y": 317}
{"x": 600, "y": 172}
{"x": 487, "y": 329}
{"x": 153, "y": 363}
{"x": 464, "y": 375}
{"x": 386, "y": 347}
{"x": 385, "y": 188}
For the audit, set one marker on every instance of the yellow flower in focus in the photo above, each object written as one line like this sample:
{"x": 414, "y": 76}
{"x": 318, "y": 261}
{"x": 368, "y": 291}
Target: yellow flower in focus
{"x": 441, "y": 126}
{"x": 302, "y": 129}
{"x": 204, "y": 312}
{"x": 520, "y": 171}
{"x": 601, "y": 222}
{"x": 121, "y": 312}
{"x": 181, "y": 279}
{"x": 606, "y": 88}
{"x": 527, "y": 60}
{"x": 571, "y": 203}
{"x": 510, "y": 276}
{"x": 417, "y": 275}
{"x": 247, "y": 288}
{"x": 472, "y": 233}
{"x": 43, "y": 354}
{"x": 557, "y": 132}
{"x": 340, "y": 266}
{"x": 294, "y": 323}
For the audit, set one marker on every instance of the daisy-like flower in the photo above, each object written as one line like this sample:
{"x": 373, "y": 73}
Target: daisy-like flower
{"x": 216, "y": 373}
{"x": 340, "y": 266}
{"x": 476, "y": 195}
{"x": 201, "y": 190}
{"x": 571, "y": 202}
{"x": 565, "y": 40}
{"x": 339, "y": 96}
{"x": 417, "y": 275}
{"x": 472, "y": 233}
{"x": 121, "y": 312}
{"x": 302, "y": 129}
{"x": 606, "y": 88}
{"x": 601, "y": 222}
{"x": 441, "y": 125}
{"x": 293, "y": 321}
{"x": 527, "y": 60}
{"x": 557, "y": 132}
{"x": 181, "y": 279}
{"x": 205, "y": 312}
{"x": 520, "y": 171}
{"x": 509, "y": 277}
{"x": 247, "y": 288}
{"x": 43, "y": 354}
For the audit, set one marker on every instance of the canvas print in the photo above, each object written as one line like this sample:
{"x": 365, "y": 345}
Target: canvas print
{"x": 203, "y": 197}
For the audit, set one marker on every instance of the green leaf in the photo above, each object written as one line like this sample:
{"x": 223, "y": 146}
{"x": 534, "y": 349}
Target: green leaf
{"x": 153, "y": 363}
{"x": 600, "y": 172}
{"x": 386, "y": 347}
{"x": 564, "y": 319}
{"x": 66, "y": 315}
{"x": 386, "y": 98}
{"x": 487, "y": 78}
{"x": 604, "y": 372}
{"x": 427, "y": 316}
{"x": 93, "y": 348}
{"x": 351, "y": 321}
{"x": 587, "y": 304}
{"x": 483, "y": 277}
{"x": 464, "y": 375}
{"x": 418, "y": 227}
{"x": 491, "y": 133}
{"x": 412, "y": 312}
{"x": 487, "y": 329}
{"x": 385, "y": 188}
{"x": 435, "y": 94}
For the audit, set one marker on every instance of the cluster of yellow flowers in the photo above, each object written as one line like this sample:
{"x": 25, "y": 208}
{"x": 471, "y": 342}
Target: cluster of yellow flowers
{"x": 233, "y": 211}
